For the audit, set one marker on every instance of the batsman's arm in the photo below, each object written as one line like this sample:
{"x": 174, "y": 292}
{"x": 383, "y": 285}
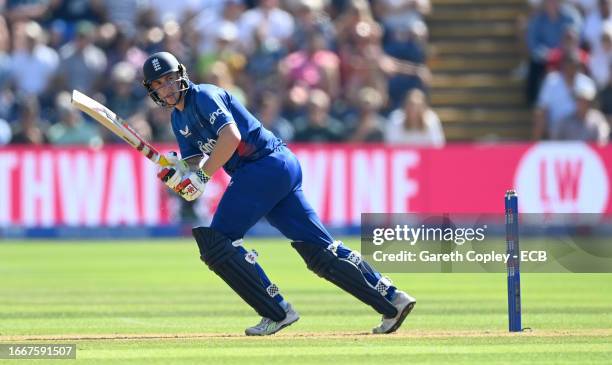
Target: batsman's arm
{"x": 229, "y": 138}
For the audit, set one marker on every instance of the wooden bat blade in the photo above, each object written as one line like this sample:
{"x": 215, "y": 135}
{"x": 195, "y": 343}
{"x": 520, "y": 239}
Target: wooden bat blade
{"x": 118, "y": 126}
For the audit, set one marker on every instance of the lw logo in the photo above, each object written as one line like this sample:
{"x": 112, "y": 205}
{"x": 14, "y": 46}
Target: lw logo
{"x": 156, "y": 65}
{"x": 562, "y": 178}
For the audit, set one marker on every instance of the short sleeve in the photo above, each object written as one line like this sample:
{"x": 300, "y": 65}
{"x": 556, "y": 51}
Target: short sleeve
{"x": 213, "y": 104}
{"x": 188, "y": 151}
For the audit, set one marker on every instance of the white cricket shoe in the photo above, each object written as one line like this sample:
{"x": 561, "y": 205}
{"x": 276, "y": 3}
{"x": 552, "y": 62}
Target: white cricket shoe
{"x": 404, "y": 304}
{"x": 268, "y": 327}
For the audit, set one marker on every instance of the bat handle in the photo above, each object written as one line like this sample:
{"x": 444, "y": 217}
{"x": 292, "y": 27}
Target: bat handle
{"x": 163, "y": 161}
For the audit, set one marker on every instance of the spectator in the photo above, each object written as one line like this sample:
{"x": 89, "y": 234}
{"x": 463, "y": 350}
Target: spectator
{"x": 226, "y": 50}
{"x": 5, "y": 57}
{"x": 82, "y": 63}
{"x": 64, "y": 15}
{"x": 269, "y": 115}
{"x": 544, "y": 32}
{"x": 123, "y": 94}
{"x": 415, "y": 123}
{"x": 317, "y": 125}
{"x": 277, "y": 24}
{"x": 315, "y": 67}
{"x": 601, "y": 58}
{"x": 522, "y": 21}
{"x": 555, "y": 101}
{"x": 336, "y": 8}
{"x": 365, "y": 76}
{"x": 33, "y": 63}
{"x": 6, "y": 89}
{"x": 58, "y": 34}
{"x": 585, "y": 7}
{"x": 120, "y": 47}
{"x": 347, "y": 30}
{"x": 368, "y": 126}
{"x": 165, "y": 11}
{"x": 98, "y": 48}
{"x": 17, "y": 11}
{"x": 405, "y": 63}
{"x": 7, "y": 94}
{"x": 122, "y": 13}
{"x": 71, "y": 128}
{"x": 158, "y": 119}
{"x": 594, "y": 23}
{"x": 141, "y": 126}
{"x": 604, "y": 68}
{"x": 5, "y": 132}
{"x": 220, "y": 75}
{"x": 7, "y": 103}
{"x": 310, "y": 18}
{"x": 261, "y": 71}
{"x": 173, "y": 43}
{"x": 361, "y": 65}
{"x": 569, "y": 43}
{"x": 586, "y": 124}
{"x": 215, "y": 19}
{"x": 361, "y": 61}
{"x": 401, "y": 14}
{"x": 29, "y": 128}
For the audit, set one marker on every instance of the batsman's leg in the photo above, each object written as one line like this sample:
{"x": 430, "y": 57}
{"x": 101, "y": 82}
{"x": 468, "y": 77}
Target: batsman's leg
{"x": 335, "y": 262}
{"x": 255, "y": 189}
{"x": 240, "y": 270}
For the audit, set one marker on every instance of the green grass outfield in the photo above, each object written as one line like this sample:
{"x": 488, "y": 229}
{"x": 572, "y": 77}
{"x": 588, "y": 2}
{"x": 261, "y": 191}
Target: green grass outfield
{"x": 140, "y": 302}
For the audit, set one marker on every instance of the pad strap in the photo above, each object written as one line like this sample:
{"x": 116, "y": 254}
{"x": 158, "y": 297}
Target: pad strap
{"x": 345, "y": 274}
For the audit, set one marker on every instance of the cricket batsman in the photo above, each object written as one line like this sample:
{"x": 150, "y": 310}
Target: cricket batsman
{"x": 266, "y": 181}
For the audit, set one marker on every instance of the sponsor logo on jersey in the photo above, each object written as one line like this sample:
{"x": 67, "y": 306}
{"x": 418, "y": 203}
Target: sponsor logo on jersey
{"x": 186, "y": 132}
{"x": 213, "y": 116}
{"x": 206, "y": 148}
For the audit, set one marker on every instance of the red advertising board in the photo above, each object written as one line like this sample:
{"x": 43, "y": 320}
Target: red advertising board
{"x": 44, "y": 187}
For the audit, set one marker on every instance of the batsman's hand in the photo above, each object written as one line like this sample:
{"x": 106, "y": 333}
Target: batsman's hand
{"x": 173, "y": 175}
{"x": 192, "y": 186}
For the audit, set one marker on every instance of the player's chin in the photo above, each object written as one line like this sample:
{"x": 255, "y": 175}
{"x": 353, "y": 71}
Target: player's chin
{"x": 171, "y": 100}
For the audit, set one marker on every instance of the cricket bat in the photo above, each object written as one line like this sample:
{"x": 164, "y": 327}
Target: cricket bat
{"x": 118, "y": 126}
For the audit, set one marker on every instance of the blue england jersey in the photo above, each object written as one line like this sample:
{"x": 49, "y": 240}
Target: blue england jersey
{"x": 208, "y": 109}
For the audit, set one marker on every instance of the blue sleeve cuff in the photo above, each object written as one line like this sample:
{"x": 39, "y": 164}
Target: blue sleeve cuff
{"x": 188, "y": 157}
{"x": 223, "y": 125}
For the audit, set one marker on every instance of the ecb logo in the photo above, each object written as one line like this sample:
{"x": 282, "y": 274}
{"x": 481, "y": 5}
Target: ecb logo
{"x": 156, "y": 65}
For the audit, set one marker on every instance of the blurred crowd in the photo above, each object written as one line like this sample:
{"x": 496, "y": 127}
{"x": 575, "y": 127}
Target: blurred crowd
{"x": 311, "y": 70}
{"x": 568, "y": 71}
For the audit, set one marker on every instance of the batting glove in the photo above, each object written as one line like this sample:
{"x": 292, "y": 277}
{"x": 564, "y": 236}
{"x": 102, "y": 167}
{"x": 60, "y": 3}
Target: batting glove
{"x": 173, "y": 175}
{"x": 192, "y": 186}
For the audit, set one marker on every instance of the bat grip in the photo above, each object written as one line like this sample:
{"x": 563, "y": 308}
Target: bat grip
{"x": 163, "y": 161}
